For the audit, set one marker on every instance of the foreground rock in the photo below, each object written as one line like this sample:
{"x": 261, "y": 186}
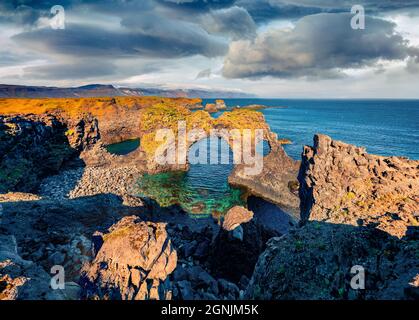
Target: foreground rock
{"x": 315, "y": 262}
{"x": 133, "y": 262}
{"x": 51, "y": 232}
{"x": 341, "y": 183}
{"x": 22, "y": 279}
{"x": 238, "y": 244}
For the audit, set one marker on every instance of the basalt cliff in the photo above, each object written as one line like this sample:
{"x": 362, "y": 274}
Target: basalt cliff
{"x": 66, "y": 201}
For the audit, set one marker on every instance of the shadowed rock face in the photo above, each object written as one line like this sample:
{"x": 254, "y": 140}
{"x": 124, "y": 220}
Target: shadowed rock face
{"x": 237, "y": 246}
{"x": 38, "y": 145}
{"x": 134, "y": 260}
{"x": 315, "y": 262}
{"x": 341, "y": 183}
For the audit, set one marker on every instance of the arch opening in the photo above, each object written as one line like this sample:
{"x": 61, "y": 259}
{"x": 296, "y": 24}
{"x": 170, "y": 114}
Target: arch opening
{"x": 202, "y": 190}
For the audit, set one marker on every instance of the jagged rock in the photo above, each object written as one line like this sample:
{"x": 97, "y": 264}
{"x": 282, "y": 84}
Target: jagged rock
{"x": 185, "y": 290}
{"x": 31, "y": 148}
{"x": 228, "y": 289}
{"x": 235, "y": 253}
{"x": 22, "y": 279}
{"x": 341, "y": 183}
{"x": 211, "y": 108}
{"x": 220, "y": 105}
{"x": 315, "y": 262}
{"x": 276, "y": 183}
{"x": 134, "y": 261}
{"x": 235, "y": 217}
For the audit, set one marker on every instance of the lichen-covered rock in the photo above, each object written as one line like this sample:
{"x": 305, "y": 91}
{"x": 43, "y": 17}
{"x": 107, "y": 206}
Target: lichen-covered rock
{"x": 315, "y": 262}
{"x": 341, "y": 183}
{"x": 211, "y": 108}
{"x": 134, "y": 261}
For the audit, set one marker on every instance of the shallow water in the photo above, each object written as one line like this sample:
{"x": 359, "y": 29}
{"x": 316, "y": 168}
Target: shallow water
{"x": 124, "y": 147}
{"x": 203, "y": 190}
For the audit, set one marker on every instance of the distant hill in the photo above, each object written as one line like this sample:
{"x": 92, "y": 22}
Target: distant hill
{"x": 100, "y": 90}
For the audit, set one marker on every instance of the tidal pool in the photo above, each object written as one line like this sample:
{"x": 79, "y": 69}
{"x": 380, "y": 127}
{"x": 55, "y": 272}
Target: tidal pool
{"x": 124, "y": 147}
{"x": 203, "y": 190}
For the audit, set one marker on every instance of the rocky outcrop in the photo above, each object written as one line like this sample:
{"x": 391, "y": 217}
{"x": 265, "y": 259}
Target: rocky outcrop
{"x": 276, "y": 183}
{"x": 210, "y": 108}
{"x": 220, "y": 105}
{"x": 240, "y": 243}
{"x": 133, "y": 262}
{"x": 30, "y": 148}
{"x": 315, "y": 262}
{"x": 22, "y": 279}
{"x": 35, "y": 146}
{"x": 341, "y": 183}
{"x": 235, "y": 217}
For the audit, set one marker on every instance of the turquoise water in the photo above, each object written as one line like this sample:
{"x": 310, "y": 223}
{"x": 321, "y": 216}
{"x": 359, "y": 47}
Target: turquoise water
{"x": 385, "y": 127}
{"x": 203, "y": 190}
{"x": 123, "y": 148}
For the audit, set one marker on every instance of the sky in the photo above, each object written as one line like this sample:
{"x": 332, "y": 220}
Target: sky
{"x": 270, "y": 48}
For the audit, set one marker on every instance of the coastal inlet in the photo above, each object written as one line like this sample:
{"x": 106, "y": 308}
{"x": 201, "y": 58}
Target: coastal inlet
{"x": 201, "y": 191}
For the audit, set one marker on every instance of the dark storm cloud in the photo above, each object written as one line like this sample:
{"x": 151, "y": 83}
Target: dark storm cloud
{"x": 265, "y": 10}
{"x": 319, "y": 45}
{"x": 341, "y": 4}
{"x": 197, "y": 5}
{"x": 235, "y": 22}
{"x": 79, "y": 69}
{"x": 82, "y": 40}
{"x": 8, "y": 58}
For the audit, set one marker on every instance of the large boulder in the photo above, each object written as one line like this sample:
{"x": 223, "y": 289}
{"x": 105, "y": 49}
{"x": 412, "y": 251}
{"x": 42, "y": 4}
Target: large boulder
{"x": 133, "y": 261}
{"x": 341, "y": 183}
{"x": 235, "y": 217}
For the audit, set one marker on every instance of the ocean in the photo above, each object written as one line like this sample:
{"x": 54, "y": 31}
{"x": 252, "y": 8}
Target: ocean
{"x": 384, "y": 127}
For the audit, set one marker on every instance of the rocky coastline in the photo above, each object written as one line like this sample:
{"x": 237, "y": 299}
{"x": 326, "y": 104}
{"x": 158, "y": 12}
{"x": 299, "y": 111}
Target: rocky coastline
{"x": 66, "y": 201}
